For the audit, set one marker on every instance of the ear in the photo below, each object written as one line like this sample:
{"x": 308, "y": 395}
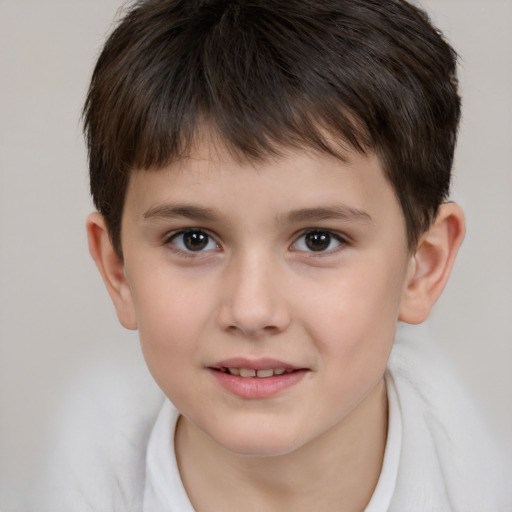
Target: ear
{"x": 431, "y": 264}
{"x": 111, "y": 269}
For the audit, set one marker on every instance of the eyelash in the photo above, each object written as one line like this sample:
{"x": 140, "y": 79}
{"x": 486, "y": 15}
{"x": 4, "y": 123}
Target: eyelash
{"x": 169, "y": 241}
{"x": 341, "y": 241}
{"x": 183, "y": 251}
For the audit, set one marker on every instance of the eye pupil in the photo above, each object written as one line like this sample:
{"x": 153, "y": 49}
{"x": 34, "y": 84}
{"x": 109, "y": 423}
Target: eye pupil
{"x": 195, "y": 240}
{"x": 318, "y": 240}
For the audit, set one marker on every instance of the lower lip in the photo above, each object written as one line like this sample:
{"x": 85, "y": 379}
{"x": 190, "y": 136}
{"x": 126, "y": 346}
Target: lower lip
{"x": 255, "y": 387}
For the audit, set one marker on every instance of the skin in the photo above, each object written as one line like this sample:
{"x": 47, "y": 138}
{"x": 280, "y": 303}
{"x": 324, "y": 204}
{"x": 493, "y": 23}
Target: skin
{"x": 257, "y": 290}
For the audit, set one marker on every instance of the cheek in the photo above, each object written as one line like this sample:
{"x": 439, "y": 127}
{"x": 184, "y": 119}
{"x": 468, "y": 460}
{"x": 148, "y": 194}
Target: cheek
{"x": 355, "y": 314}
{"x": 169, "y": 303}
{"x": 171, "y": 317}
{"x": 166, "y": 318}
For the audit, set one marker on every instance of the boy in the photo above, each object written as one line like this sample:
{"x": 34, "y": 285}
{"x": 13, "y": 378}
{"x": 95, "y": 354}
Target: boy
{"x": 271, "y": 182}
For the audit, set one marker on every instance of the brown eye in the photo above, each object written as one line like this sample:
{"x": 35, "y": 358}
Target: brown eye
{"x": 318, "y": 240}
{"x": 193, "y": 240}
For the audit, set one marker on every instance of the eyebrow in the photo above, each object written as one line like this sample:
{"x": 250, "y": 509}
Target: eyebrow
{"x": 172, "y": 211}
{"x": 336, "y": 212}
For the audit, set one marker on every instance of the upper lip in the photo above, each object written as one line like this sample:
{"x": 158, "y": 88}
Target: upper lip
{"x": 255, "y": 364}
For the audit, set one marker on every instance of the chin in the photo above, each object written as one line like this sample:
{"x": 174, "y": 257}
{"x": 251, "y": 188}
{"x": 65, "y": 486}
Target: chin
{"x": 259, "y": 442}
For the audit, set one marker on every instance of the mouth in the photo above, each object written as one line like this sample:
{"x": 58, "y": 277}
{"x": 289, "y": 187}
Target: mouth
{"x": 251, "y": 373}
{"x": 262, "y": 368}
{"x": 257, "y": 379}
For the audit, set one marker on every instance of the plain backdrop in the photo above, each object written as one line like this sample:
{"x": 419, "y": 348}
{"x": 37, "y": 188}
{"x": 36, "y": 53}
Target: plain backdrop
{"x": 55, "y": 317}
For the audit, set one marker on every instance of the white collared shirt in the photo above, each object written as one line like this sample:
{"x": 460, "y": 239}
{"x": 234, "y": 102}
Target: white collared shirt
{"x": 164, "y": 491}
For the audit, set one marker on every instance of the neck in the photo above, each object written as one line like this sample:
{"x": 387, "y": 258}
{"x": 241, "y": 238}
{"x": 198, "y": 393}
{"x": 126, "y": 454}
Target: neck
{"x": 337, "y": 471}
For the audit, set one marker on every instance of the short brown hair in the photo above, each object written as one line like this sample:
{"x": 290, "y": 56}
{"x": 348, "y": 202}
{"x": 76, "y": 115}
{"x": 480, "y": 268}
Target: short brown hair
{"x": 268, "y": 74}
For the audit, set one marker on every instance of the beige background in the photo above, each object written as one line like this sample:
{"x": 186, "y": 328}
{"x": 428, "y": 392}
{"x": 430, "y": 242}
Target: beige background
{"x": 55, "y": 317}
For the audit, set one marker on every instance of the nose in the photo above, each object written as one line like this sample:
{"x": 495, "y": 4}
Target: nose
{"x": 254, "y": 302}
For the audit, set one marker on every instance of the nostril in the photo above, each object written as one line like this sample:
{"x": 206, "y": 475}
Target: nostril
{"x": 268, "y": 330}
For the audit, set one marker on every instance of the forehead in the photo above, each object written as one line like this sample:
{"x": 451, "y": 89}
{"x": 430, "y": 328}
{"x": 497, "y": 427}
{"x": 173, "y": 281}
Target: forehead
{"x": 212, "y": 178}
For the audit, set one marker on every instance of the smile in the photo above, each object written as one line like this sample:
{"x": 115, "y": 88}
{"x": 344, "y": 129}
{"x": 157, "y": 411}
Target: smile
{"x": 256, "y": 379}
{"x": 251, "y": 373}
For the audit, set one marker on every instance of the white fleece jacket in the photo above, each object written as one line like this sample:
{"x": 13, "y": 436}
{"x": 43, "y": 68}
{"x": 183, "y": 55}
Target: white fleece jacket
{"x": 447, "y": 462}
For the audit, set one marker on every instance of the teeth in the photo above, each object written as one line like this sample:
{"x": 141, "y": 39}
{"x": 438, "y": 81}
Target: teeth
{"x": 265, "y": 373}
{"x": 246, "y": 372}
{"x": 262, "y": 374}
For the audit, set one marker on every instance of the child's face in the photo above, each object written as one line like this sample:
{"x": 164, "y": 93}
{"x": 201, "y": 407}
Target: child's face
{"x": 294, "y": 264}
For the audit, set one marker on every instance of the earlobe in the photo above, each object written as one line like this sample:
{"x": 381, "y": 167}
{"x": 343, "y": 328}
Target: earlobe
{"x": 111, "y": 269}
{"x": 431, "y": 264}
